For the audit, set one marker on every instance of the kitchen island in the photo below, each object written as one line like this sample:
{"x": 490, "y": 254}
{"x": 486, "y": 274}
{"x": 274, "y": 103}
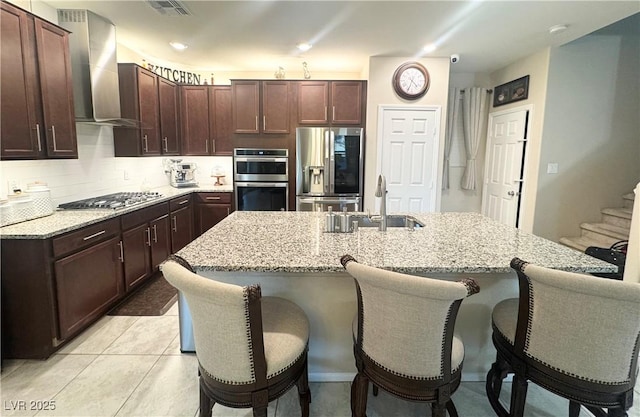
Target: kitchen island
{"x": 291, "y": 256}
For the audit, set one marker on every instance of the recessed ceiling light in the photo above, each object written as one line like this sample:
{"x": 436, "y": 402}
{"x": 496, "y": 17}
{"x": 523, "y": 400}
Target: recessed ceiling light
{"x": 429, "y": 48}
{"x": 557, "y": 29}
{"x": 178, "y": 46}
{"x": 304, "y": 46}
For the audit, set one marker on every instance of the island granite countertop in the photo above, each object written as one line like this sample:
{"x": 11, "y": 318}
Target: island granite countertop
{"x": 448, "y": 243}
{"x": 62, "y": 221}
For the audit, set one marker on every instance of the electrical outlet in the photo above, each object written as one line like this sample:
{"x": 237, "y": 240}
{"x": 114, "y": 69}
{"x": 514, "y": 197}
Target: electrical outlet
{"x": 552, "y": 168}
{"x": 126, "y": 175}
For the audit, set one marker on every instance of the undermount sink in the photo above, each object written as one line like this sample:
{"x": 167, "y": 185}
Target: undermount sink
{"x": 393, "y": 220}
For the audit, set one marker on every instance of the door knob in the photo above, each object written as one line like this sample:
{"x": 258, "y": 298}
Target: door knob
{"x": 512, "y": 193}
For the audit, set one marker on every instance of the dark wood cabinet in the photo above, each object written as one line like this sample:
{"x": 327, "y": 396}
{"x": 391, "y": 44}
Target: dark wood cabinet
{"x": 221, "y": 120}
{"x": 169, "y": 129}
{"x": 210, "y": 209}
{"x": 37, "y": 110}
{"x": 145, "y": 240}
{"x": 331, "y": 102}
{"x": 138, "y": 101}
{"x": 181, "y": 218}
{"x": 72, "y": 280}
{"x": 206, "y": 120}
{"x": 87, "y": 284}
{"x": 194, "y": 111}
{"x": 260, "y": 106}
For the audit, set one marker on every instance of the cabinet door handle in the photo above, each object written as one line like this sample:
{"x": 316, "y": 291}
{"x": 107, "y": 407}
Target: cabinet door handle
{"x": 213, "y": 147}
{"x": 166, "y": 144}
{"x": 333, "y": 113}
{"x": 121, "y": 258}
{"x": 155, "y": 233}
{"x": 174, "y": 220}
{"x": 206, "y": 146}
{"x": 38, "y": 137}
{"x": 53, "y": 135}
{"x": 212, "y": 198}
{"x": 228, "y": 211}
{"x": 325, "y": 113}
{"x": 94, "y": 235}
{"x": 256, "y": 123}
{"x": 264, "y": 122}
{"x": 148, "y": 232}
{"x": 145, "y": 145}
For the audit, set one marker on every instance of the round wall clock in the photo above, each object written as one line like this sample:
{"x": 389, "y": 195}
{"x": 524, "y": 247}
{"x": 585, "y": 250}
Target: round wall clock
{"x": 411, "y": 80}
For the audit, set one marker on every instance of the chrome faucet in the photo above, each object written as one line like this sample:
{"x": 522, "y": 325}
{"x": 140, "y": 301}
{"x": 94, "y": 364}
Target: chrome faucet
{"x": 381, "y": 191}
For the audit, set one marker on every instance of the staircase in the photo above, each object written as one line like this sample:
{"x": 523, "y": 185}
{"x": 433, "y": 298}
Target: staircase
{"x": 615, "y": 226}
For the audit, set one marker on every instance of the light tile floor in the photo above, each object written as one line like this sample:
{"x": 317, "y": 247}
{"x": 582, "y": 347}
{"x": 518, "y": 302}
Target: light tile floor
{"x": 132, "y": 366}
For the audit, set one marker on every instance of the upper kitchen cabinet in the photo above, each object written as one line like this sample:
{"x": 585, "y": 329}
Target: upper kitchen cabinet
{"x": 205, "y": 120}
{"x": 260, "y": 106}
{"x": 37, "y": 98}
{"x": 138, "y": 101}
{"x": 221, "y": 119}
{"x": 169, "y": 130}
{"x": 331, "y": 102}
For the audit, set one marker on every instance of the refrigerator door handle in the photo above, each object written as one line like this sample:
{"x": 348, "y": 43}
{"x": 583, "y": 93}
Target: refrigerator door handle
{"x": 327, "y": 163}
{"x": 332, "y": 162}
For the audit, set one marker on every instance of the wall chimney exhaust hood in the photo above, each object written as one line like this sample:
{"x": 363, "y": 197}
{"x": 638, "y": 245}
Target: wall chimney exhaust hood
{"x": 92, "y": 46}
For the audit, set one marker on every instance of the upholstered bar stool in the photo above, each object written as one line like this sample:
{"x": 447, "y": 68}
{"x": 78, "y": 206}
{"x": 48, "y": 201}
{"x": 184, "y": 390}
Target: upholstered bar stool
{"x": 403, "y": 337}
{"x": 251, "y": 349}
{"x": 572, "y": 334}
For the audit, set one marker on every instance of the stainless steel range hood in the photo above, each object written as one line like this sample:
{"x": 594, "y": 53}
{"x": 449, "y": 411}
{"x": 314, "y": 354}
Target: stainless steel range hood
{"x": 92, "y": 44}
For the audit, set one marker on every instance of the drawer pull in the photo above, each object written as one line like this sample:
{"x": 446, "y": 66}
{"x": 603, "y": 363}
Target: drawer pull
{"x": 213, "y": 198}
{"x": 94, "y": 235}
{"x": 183, "y": 202}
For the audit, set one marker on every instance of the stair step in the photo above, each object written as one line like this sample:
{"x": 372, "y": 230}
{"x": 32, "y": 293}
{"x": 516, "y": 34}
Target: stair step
{"x": 620, "y": 217}
{"x": 603, "y": 233}
{"x": 628, "y": 200}
{"x": 579, "y": 243}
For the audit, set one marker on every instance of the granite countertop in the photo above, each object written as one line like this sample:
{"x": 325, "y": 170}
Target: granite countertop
{"x": 449, "y": 243}
{"x": 62, "y": 221}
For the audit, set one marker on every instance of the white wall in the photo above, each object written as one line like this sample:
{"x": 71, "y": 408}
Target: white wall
{"x": 380, "y": 92}
{"x": 97, "y": 171}
{"x": 592, "y": 130}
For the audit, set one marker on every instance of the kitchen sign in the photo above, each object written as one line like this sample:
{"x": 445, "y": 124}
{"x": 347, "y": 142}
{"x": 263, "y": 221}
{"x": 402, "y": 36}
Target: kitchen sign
{"x": 182, "y": 77}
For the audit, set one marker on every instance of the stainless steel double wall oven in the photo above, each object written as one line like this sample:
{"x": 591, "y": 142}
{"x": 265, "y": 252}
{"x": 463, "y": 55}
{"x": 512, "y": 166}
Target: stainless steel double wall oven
{"x": 261, "y": 179}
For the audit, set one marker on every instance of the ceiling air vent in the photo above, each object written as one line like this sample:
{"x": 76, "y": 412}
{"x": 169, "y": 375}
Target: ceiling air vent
{"x": 169, "y": 7}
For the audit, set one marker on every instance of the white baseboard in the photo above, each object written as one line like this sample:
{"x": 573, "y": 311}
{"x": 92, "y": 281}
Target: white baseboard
{"x": 331, "y": 377}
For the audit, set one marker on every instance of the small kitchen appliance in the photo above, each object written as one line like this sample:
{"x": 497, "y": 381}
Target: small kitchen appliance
{"x": 182, "y": 174}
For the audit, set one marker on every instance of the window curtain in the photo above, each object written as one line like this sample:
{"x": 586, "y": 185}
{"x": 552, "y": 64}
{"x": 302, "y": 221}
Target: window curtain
{"x": 453, "y": 110}
{"x": 474, "y": 118}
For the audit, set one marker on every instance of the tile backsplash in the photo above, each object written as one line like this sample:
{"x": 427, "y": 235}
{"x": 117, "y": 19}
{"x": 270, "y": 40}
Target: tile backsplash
{"x": 97, "y": 171}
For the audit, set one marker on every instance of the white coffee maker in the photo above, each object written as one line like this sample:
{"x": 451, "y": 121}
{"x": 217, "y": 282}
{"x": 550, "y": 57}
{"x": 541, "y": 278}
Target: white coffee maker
{"x": 182, "y": 174}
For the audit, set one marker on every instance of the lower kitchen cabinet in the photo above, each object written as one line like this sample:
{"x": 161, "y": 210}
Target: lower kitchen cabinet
{"x": 87, "y": 284}
{"x": 53, "y": 288}
{"x": 181, "y": 216}
{"x": 145, "y": 240}
{"x": 210, "y": 209}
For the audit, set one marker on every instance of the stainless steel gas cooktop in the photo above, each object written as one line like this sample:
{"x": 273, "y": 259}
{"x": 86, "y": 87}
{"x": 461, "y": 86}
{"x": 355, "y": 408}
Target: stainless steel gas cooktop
{"x": 112, "y": 201}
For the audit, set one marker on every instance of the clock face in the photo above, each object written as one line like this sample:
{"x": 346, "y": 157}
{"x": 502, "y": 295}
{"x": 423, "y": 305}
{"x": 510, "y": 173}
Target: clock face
{"x": 411, "y": 80}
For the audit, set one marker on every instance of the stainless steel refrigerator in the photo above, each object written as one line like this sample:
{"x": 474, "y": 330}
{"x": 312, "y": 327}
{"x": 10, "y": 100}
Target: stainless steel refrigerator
{"x": 329, "y": 168}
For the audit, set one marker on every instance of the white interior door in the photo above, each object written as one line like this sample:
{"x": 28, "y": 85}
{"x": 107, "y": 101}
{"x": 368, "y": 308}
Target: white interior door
{"x": 409, "y": 158}
{"x": 503, "y": 177}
